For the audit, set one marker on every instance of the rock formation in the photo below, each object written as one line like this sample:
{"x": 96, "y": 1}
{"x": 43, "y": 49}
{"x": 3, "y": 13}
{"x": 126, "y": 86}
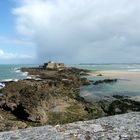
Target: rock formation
{"x": 119, "y": 127}
{"x": 54, "y": 99}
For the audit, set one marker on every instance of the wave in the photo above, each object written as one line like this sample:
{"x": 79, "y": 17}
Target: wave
{"x": 134, "y": 70}
{"x": 29, "y": 77}
{"x": 25, "y": 73}
{"x": 17, "y": 70}
{"x": 10, "y": 80}
{"x": 2, "y": 85}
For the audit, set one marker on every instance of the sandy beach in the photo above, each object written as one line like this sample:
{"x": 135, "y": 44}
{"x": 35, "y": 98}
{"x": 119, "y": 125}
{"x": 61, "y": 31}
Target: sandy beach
{"x": 117, "y": 74}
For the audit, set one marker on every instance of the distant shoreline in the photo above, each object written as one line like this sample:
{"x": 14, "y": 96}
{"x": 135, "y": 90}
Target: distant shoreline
{"x": 109, "y": 64}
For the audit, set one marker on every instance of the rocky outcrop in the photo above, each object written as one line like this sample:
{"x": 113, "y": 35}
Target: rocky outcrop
{"x": 106, "y": 81}
{"x": 119, "y": 105}
{"x": 55, "y": 99}
{"x": 119, "y": 127}
{"x": 52, "y": 102}
{"x": 42, "y": 101}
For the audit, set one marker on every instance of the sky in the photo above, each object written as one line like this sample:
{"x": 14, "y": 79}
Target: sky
{"x": 70, "y": 31}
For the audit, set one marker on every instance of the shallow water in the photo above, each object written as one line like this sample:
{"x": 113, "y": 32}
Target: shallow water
{"x": 128, "y": 83}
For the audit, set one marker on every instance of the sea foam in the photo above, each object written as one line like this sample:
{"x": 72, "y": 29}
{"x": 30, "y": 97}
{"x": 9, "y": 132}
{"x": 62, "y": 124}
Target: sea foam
{"x": 10, "y": 80}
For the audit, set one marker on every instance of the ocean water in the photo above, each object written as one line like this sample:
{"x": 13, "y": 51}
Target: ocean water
{"x": 12, "y": 72}
{"x": 111, "y": 67}
{"x": 128, "y": 84}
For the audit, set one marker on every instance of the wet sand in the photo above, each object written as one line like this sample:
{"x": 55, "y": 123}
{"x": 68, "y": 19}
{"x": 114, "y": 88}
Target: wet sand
{"x": 117, "y": 74}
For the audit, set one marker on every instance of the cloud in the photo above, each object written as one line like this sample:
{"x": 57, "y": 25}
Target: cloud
{"x": 82, "y": 30}
{"x": 15, "y": 40}
{"x": 12, "y": 56}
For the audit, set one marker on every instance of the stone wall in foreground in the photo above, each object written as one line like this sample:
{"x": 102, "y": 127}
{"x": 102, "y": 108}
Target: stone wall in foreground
{"x": 119, "y": 127}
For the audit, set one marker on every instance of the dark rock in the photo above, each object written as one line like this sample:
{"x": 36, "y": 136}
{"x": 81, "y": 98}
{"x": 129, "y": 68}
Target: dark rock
{"x": 107, "y": 81}
{"x": 119, "y": 96}
{"x": 85, "y": 82}
{"x": 9, "y": 122}
{"x": 119, "y": 105}
{"x": 99, "y": 75}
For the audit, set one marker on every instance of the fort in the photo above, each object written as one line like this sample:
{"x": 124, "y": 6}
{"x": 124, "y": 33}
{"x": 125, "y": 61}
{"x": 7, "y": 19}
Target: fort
{"x": 53, "y": 65}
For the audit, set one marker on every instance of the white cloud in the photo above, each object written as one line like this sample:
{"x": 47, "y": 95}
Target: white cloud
{"x": 10, "y": 56}
{"x": 82, "y": 30}
{"x": 16, "y": 41}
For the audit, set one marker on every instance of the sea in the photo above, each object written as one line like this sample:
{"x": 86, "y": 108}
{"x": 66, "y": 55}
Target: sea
{"x": 126, "y": 85}
{"x": 12, "y": 72}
